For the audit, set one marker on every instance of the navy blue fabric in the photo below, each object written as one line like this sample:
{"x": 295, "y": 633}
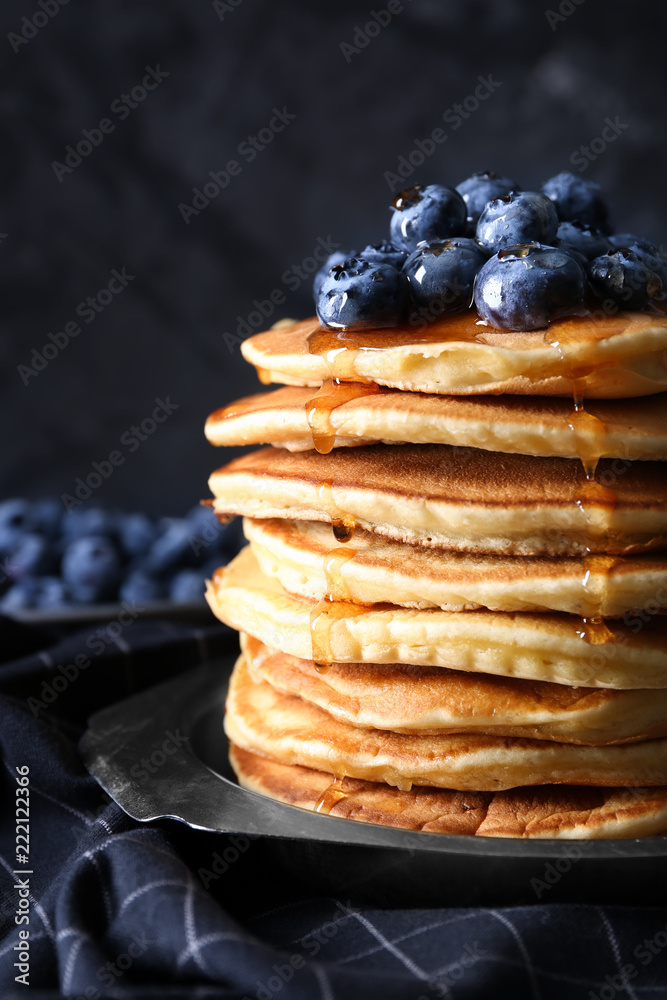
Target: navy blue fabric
{"x": 121, "y": 909}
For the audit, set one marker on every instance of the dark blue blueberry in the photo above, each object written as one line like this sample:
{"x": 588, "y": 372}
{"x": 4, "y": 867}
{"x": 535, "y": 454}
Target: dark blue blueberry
{"x": 362, "y": 296}
{"x": 141, "y": 587}
{"x": 624, "y": 277}
{"x": 337, "y": 257}
{"x": 136, "y": 533}
{"x": 480, "y": 188}
{"x": 442, "y": 273}
{"x": 91, "y": 569}
{"x": 173, "y": 549}
{"x": 586, "y": 240}
{"x": 524, "y": 217}
{"x": 83, "y": 521}
{"x": 576, "y": 198}
{"x": 21, "y": 596}
{"x": 52, "y": 593}
{"x": 46, "y": 517}
{"x": 421, "y": 213}
{"x": 523, "y": 287}
{"x": 188, "y": 586}
{"x": 651, "y": 255}
{"x": 15, "y": 520}
{"x": 32, "y": 555}
{"x": 383, "y": 253}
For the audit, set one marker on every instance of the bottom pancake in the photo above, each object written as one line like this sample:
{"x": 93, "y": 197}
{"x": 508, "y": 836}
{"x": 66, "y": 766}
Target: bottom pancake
{"x": 289, "y": 729}
{"x": 565, "y": 812}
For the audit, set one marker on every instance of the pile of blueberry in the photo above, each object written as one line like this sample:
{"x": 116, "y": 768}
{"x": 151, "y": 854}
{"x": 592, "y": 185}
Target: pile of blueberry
{"x": 522, "y": 258}
{"x": 51, "y": 559}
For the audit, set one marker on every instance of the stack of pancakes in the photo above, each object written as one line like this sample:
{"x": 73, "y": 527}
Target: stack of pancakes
{"x": 451, "y": 602}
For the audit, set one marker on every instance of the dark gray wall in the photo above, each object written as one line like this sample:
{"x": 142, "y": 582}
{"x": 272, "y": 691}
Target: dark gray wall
{"x": 229, "y": 65}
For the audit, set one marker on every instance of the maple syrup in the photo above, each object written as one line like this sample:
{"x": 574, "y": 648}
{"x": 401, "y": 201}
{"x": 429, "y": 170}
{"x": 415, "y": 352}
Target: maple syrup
{"x": 331, "y": 394}
{"x": 331, "y": 795}
{"x": 323, "y": 617}
{"x": 264, "y": 376}
{"x": 342, "y": 524}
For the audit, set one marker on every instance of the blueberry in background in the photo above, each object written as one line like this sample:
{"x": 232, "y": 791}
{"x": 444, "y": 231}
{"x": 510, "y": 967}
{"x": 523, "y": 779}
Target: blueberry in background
{"x": 434, "y": 212}
{"x": 142, "y": 587}
{"x": 15, "y": 520}
{"x": 523, "y": 287}
{"x": 383, "y": 253}
{"x": 187, "y": 586}
{"x": 52, "y": 594}
{"x": 136, "y": 533}
{"x": 337, "y": 257}
{"x": 587, "y": 240}
{"x": 173, "y": 548}
{"x": 46, "y": 517}
{"x": 648, "y": 252}
{"x": 32, "y": 555}
{"x": 624, "y": 277}
{"x": 478, "y": 189}
{"x": 21, "y": 596}
{"x": 521, "y": 217}
{"x": 441, "y": 273}
{"x": 576, "y": 198}
{"x": 91, "y": 568}
{"x": 359, "y": 295}
{"x": 83, "y": 521}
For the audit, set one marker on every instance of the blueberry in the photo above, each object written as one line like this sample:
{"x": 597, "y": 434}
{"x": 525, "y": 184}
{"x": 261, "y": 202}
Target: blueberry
{"x": 174, "y": 547}
{"x": 15, "y": 520}
{"x": 337, "y": 257}
{"x": 32, "y": 555}
{"x": 136, "y": 533}
{"x": 442, "y": 273}
{"x": 52, "y": 593}
{"x": 141, "y": 587}
{"x": 421, "y": 213}
{"x": 91, "y": 569}
{"x": 359, "y": 295}
{"x": 524, "y": 217}
{"x": 624, "y": 277}
{"x": 46, "y": 517}
{"x": 648, "y": 252}
{"x": 187, "y": 586}
{"x": 21, "y": 596}
{"x": 576, "y": 198}
{"x": 480, "y": 188}
{"x": 383, "y": 253}
{"x": 587, "y": 240}
{"x": 83, "y": 521}
{"x": 523, "y": 287}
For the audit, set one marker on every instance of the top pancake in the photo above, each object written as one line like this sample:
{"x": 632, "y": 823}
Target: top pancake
{"x": 605, "y": 357}
{"x": 634, "y": 429}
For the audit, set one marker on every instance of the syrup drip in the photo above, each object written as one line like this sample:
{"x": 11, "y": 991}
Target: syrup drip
{"x": 264, "y": 376}
{"x": 331, "y": 795}
{"x": 335, "y": 587}
{"x": 323, "y": 617}
{"x": 589, "y": 433}
{"x": 343, "y": 525}
{"x": 331, "y": 394}
{"x": 594, "y": 631}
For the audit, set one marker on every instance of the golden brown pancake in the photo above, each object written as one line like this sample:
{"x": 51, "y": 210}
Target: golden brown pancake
{"x": 546, "y": 811}
{"x": 308, "y": 562}
{"x": 525, "y": 425}
{"x": 455, "y": 498}
{"x": 608, "y": 357}
{"x": 545, "y": 647}
{"x": 430, "y": 700}
{"x": 289, "y": 729}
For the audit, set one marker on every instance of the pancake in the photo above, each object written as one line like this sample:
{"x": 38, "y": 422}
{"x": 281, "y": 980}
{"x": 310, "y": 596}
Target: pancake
{"x": 455, "y": 498}
{"x": 430, "y": 700}
{"x": 563, "y": 812}
{"x": 546, "y": 647}
{"x": 293, "y": 731}
{"x": 606, "y": 357}
{"x": 633, "y": 429}
{"x": 308, "y": 562}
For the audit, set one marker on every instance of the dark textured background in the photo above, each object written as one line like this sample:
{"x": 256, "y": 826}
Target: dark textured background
{"x": 321, "y": 177}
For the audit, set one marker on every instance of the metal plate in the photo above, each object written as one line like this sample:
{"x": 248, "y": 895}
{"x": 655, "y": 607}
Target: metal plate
{"x": 163, "y": 754}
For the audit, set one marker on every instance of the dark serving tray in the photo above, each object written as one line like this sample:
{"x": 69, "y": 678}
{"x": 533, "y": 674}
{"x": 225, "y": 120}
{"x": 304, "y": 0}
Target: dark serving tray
{"x": 384, "y": 866}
